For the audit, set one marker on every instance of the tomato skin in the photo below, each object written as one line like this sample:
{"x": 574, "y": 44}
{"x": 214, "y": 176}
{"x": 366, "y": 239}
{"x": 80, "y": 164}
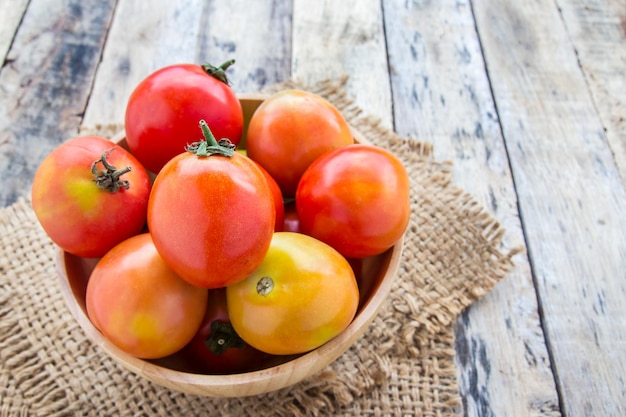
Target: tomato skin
{"x": 289, "y": 130}
{"x": 77, "y": 215}
{"x": 163, "y": 111}
{"x": 356, "y": 199}
{"x": 211, "y": 218}
{"x": 314, "y": 297}
{"x": 277, "y": 197}
{"x": 140, "y": 304}
{"x": 237, "y": 357}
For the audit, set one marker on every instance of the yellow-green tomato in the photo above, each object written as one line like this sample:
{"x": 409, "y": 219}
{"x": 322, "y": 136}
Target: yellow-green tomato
{"x": 140, "y": 304}
{"x": 302, "y": 295}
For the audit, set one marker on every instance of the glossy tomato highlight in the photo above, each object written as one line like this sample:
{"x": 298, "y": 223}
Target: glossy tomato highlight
{"x": 163, "y": 111}
{"x": 89, "y": 194}
{"x": 211, "y": 215}
{"x": 356, "y": 199}
{"x": 289, "y": 130}
{"x": 302, "y": 295}
{"x": 140, "y": 304}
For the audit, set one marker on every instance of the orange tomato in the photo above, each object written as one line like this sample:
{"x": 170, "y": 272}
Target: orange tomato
{"x": 302, "y": 295}
{"x": 289, "y": 130}
{"x": 356, "y": 199}
{"x": 140, "y": 304}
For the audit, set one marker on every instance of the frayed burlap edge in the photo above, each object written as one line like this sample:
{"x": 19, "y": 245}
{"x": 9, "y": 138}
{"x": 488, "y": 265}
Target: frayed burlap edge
{"x": 403, "y": 365}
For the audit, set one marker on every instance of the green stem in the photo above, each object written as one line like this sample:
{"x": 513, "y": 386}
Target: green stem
{"x": 210, "y": 146}
{"x": 218, "y": 72}
{"x": 223, "y": 337}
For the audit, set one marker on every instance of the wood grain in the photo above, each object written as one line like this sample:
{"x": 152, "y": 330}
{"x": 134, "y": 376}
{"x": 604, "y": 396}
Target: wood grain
{"x": 597, "y": 29}
{"x": 166, "y": 33}
{"x": 256, "y": 34}
{"x": 11, "y": 13}
{"x": 442, "y": 95}
{"x": 46, "y": 82}
{"x": 190, "y": 31}
{"x": 332, "y": 39}
{"x": 571, "y": 199}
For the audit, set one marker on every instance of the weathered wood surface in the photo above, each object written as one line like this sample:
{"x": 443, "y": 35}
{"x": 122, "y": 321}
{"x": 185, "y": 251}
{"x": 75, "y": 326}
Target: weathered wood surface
{"x": 442, "y": 95}
{"x": 190, "y": 31}
{"x": 597, "y": 29}
{"x": 11, "y": 12}
{"x": 526, "y": 98}
{"x": 45, "y": 82}
{"x": 332, "y": 39}
{"x": 571, "y": 199}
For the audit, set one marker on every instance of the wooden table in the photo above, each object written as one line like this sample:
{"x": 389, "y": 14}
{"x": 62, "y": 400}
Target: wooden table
{"x": 527, "y": 98}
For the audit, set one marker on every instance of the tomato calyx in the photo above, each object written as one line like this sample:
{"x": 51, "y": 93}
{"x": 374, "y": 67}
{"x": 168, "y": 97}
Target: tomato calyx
{"x": 109, "y": 178}
{"x": 265, "y": 286}
{"x": 223, "y": 337}
{"x": 218, "y": 72}
{"x": 210, "y": 146}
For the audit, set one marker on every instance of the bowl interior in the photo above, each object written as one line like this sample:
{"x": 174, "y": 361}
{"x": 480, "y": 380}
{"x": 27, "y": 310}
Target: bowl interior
{"x": 375, "y": 276}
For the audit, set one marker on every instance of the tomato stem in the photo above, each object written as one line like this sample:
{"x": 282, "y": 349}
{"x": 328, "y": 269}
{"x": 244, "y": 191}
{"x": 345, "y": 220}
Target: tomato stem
{"x": 109, "y": 178}
{"x": 210, "y": 146}
{"x": 265, "y": 286}
{"x": 223, "y": 337}
{"x": 218, "y": 72}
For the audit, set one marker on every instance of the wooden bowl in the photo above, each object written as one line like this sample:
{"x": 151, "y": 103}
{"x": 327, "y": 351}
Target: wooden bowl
{"x": 376, "y": 277}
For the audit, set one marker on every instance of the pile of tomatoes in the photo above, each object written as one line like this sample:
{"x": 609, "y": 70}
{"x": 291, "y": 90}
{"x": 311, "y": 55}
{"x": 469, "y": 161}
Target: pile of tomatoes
{"x": 225, "y": 246}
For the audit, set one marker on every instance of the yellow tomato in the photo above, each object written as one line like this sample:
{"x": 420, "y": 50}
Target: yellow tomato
{"x": 302, "y": 295}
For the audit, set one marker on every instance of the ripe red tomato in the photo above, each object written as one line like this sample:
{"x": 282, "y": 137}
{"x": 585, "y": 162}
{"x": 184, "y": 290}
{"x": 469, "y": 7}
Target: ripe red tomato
{"x": 163, "y": 111}
{"x": 276, "y": 194}
{"x": 277, "y": 197}
{"x": 89, "y": 195}
{"x": 302, "y": 295}
{"x": 140, "y": 304}
{"x": 217, "y": 348}
{"x": 356, "y": 199}
{"x": 289, "y": 130}
{"x": 211, "y": 217}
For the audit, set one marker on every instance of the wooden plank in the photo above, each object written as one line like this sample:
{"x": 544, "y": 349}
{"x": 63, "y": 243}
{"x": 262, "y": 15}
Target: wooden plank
{"x": 256, "y": 34}
{"x": 332, "y": 39}
{"x": 597, "y": 29}
{"x": 191, "y": 31}
{"x": 45, "y": 84}
{"x": 11, "y": 13}
{"x": 167, "y": 33}
{"x": 442, "y": 95}
{"x": 571, "y": 198}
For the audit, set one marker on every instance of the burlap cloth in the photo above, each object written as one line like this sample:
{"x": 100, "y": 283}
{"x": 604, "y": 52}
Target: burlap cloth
{"x": 403, "y": 365}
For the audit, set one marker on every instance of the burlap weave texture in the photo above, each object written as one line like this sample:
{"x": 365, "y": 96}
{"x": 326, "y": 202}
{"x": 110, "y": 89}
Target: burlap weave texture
{"x": 403, "y": 365}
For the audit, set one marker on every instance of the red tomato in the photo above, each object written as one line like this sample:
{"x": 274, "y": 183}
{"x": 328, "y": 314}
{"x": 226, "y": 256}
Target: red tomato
{"x": 140, "y": 304}
{"x": 211, "y": 217}
{"x": 217, "y": 348}
{"x": 163, "y": 111}
{"x": 289, "y": 130}
{"x": 356, "y": 199}
{"x": 277, "y": 197}
{"x": 276, "y": 194}
{"x": 85, "y": 207}
{"x": 302, "y": 295}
